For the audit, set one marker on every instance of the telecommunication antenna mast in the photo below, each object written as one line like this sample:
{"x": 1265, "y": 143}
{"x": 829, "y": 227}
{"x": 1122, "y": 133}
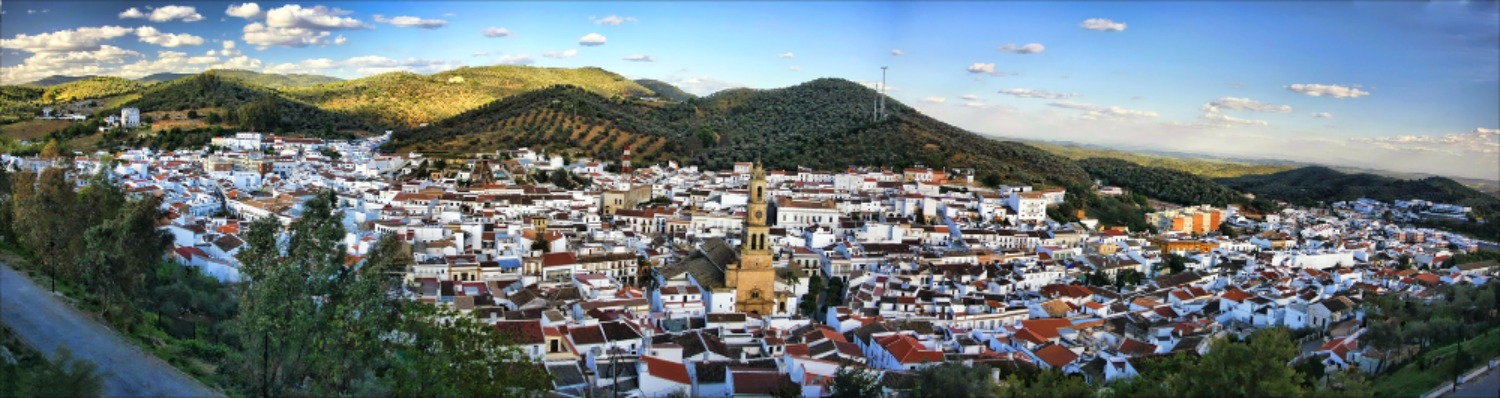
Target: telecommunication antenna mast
{"x": 882, "y": 92}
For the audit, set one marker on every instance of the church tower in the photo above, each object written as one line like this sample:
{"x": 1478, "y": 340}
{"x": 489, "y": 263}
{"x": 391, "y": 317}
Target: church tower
{"x": 754, "y": 279}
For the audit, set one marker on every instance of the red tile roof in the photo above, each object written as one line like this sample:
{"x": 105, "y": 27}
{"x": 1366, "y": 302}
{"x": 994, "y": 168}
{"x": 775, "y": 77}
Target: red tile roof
{"x": 668, "y": 370}
{"x": 1056, "y": 355}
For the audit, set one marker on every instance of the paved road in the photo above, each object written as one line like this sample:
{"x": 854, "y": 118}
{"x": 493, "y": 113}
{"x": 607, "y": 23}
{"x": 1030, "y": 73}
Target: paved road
{"x": 1487, "y": 386}
{"x": 44, "y": 322}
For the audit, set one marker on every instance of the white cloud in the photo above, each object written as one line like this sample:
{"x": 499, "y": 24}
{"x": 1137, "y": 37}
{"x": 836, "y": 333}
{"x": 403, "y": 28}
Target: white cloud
{"x": 1482, "y": 141}
{"x": 149, "y": 34}
{"x": 592, "y": 39}
{"x": 793, "y": 68}
{"x": 1031, "y": 48}
{"x": 103, "y": 60}
{"x": 80, "y": 39}
{"x": 339, "y": 41}
{"x": 246, "y": 11}
{"x": 516, "y": 59}
{"x": 322, "y": 18}
{"x": 640, "y": 58}
{"x": 263, "y": 36}
{"x": 1028, "y": 93}
{"x": 569, "y": 53}
{"x": 974, "y": 104}
{"x": 132, "y": 13}
{"x": 496, "y": 32}
{"x": 897, "y": 52}
{"x": 166, "y": 13}
{"x": 1102, "y": 24}
{"x": 979, "y": 67}
{"x": 613, "y": 20}
{"x": 934, "y": 100}
{"x": 1222, "y": 120}
{"x": 701, "y": 85}
{"x": 405, "y": 21}
{"x": 969, "y": 97}
{"x": 1322, "y": 115}
{"x": 1243, "y": 104}
{"x": 787, "y": 55}
{"x": 1330, "y": 90}
{"x": 1095, "y": 112}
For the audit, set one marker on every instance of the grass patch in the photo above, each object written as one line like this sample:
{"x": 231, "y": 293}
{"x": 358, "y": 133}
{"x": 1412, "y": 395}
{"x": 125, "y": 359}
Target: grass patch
{"x": 1413, "y": 380}
{"x": 33, "y": 129}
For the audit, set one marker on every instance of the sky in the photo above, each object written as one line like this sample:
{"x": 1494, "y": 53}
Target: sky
{"x": 1402, "y": 86}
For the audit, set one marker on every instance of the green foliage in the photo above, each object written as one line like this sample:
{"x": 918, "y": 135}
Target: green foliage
{"x": 408, "y": 99}
{"x": 254, "y": 107}
{"x": 809, "y": 304}
{"x": 851, "y": 382}
{"x": 1308, "y": 185}
{"x": 665, "y": 90}
{"x": 65, "y": 377}
{"x": 90, "y": 88}
{"x": 1256, "y": 368}
{"x": 1119, "y": 211}
{"x": 1164, "y": 184}
{"x": 273, "y": 80}
{"x": 1049, "y": 383}
{"x": 952, "y": 379}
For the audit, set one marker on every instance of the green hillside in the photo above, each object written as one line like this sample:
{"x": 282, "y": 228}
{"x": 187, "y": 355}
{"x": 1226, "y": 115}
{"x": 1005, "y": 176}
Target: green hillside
{"x": 274, "y": 80}
{"x": 19, "y": 103}
{"x": 1309, "y": 185}
{"x": 90, "y": 88}
{"x": 1164, "y": 184}
{"x": 665, "y": 90}
{"x": 55, "y": 80}
{"x": 1208, "y": 168}
{"x": 252, "y": 106}
{"x": 162, "y": 77}
{"x": 824, "y": 124}
{"x": 404, "y": 99}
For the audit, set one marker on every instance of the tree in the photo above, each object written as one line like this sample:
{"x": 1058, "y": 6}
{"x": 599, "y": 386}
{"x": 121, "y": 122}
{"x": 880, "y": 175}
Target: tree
{"x": 952, "y": 379}
{"x": 45, "y": 209}
{"x": 810, "y": 301}
{"x": 541, "y": 243}
{"x": 67, "y": 377}
{"x": 1226, "y": 230}
{"x": 121, "y": 253}
{"x": 214, "y": 118}
{"x": 851, "y": 382}
{"x": 53, "y": 150}
{"x": 991, "y": 180}
{"x": 1049, "y": 383}
{"x": 192, "y": 114}
{"x": 443, "y": 353}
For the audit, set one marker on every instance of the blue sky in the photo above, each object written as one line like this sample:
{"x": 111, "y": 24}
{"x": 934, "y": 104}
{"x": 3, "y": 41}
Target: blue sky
{"x": 1406, "y": 86}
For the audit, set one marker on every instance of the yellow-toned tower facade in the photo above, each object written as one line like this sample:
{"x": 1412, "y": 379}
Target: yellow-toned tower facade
{"x": 753, "y": 277}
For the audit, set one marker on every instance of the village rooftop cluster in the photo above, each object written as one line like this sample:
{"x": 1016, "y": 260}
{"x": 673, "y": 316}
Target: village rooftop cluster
{"x": 668, "y": 278}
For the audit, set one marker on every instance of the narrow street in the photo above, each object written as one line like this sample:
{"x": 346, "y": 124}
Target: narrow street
{"x": 45, "y": 322}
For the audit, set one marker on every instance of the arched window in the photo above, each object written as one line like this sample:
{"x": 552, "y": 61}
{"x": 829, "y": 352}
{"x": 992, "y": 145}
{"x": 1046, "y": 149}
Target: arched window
{"x": 760, "y": 193}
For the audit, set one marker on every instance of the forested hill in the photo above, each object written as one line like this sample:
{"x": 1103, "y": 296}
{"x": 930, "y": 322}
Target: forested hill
{"x": 253, "y": 107}
{"x": 1161, "y": 183}
{"x": 665, "y": 90}
{"x": 405, "y": 99}
{"x": 274, "y": 80}
{"x": 1309, "y": 185}
{"x": 825, "y": 124}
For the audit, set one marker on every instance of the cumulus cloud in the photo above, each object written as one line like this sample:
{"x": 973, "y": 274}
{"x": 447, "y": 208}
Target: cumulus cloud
{"x": 166, "y": 13}
{"x": 787, "y": 55}
{"x": 793, "y": 68}
{"x": 592, "y": 39}
{"x": 969, "y": 97}
{"x": 1328, "y": 90}
{"x": 1030, "y": 48}
{"x": 569, "y": 53}
{"x": 495, "y": 32}
{"x": 100, "y": 61}
{"x": 149, "y": 34}
{"x": 369, "y": 64}
{"x": 979, "y": 67}
{"x": 263, "y": 36}
{"x": 405, "y": 21}
{"x": 1221, "y": 120}
{"x": 613, "y": 20}
{"x": 246, "y": 11}
{"x": 897, "y": 52}
{"x": 516, "y": 59}
{"x": 1096, "y": 112}
{"x": 132, "y": 13}
{"x": 80, "y": 39}
{"x": 293, "y": 16}
{"x": 974, "y": 104}
{"x": 1322, "y": 115}
{"x": 1243, "y": 104}
{"x": 1102, "y": 24}
{"x": 934, "y": 100}
{"x": 1028, "y": 93}
{"x": 339, "y": 41}
{"x": 640, "y": 58}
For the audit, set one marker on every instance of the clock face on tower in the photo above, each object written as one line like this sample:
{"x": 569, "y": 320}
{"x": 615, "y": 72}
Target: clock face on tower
{"x": 759, "y": 214}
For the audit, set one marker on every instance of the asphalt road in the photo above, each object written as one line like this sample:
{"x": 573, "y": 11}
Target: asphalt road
{"x": 1487, "y": 386}
{"x": 44, "y": 322}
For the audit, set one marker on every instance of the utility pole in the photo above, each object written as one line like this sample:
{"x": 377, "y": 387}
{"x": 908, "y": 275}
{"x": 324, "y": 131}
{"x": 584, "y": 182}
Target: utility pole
{"x": 882, "y": 92}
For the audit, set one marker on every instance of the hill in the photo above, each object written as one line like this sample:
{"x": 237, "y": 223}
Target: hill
{"x": 55, "y": 80}
{"x": 1200, "y": 166}
{"x": 1309, "y": 185}
{"x": 90, "y": 88}
{"x": 162, "y": 77}
{"x": 404, "y": 99}
{"x": 19, "y": 103}
{"x": 665, "y": 90}
{"x": 1174, "y": 186}
{"x": 253, "y": 106}
{"x": 274, "y": 80}
{"x": 824, "y": 124}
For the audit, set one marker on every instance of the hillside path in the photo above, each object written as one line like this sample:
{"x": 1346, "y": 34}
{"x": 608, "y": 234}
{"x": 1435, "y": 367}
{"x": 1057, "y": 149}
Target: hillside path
{"x": 45, "y": 322}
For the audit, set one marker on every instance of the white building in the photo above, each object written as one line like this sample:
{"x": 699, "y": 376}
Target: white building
{"x": 130, "y": 117}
